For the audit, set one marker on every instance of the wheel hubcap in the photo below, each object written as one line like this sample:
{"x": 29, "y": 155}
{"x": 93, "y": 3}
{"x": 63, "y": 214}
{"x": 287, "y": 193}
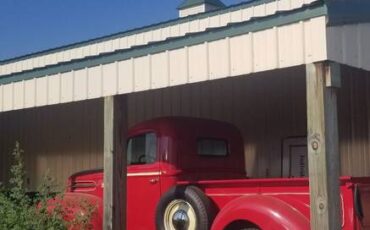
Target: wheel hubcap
{"x": 179, "y": 215}
{"x": 180, "y": 220}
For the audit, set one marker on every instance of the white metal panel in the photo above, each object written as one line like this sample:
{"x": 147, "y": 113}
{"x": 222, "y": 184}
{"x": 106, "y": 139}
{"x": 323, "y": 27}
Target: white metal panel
{"x": 41, "y": 61}
{"x": 115, "y": 44}
{"x": 178, "y": 71}
{"x": 225, "y": 19}
{"x": 59, "y": 57}
{"x": 126, "y": 76}
{"x": 123, "y": 43}
{"x": 160, "y": 70}
{"x": 19, "y": 95}
{"x": 194, "y": 26}
{"x": 272, "y": 7}
{"x": 259, "y": 10}
{"x": 296, "y": 4}
{"x": 184, "y": 28}
{"x": 247, "y": 14}
{"x": 18, "y": 66}
{"x": 110, "y": 79}
{"x": 93, "y": 49}
{"x": 219, "y": 58}
{"x": 86, "y": 50}
{"x": 284, "y": 5}
{"x": 142, "y": 73}
{"x": 204, "y": 24}
{"x": 1, "y": 97}
{"x": 192, "y": 10}
{"x": 236, "y": 16}
{"x": 30, "y": 93}
{"x": 214, "y": 21}
{"x": 291, "y": 45}
{"x": 100, "y": 47}
{"x": 95, "y": 82}
{"x": 80, "y": 85}
{"x": 241, "y": 54}
{"x": 54, "y": 89}
{"x": 265, "y": 50}
{"x": 315, "y": 39}
{"x": 198, "y": 63}
{"x": 139, "y": 39}
{"x": 157, "y": 35}
{"x": 175, "y": 31}
{"x": 8, "y": 97}
{"x": 165, "y": 33}
{"x": 283, "y": 46}
{"x": 41, "y": 91}
{"x": 66, "y": 55}
{"x": 66, "y": 87}
{"x": 108, "y": 46}
{"x": 148, "y": 37}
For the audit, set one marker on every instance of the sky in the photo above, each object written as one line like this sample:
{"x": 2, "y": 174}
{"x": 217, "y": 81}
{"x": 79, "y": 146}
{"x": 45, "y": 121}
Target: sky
{"x": 28, "y": 26}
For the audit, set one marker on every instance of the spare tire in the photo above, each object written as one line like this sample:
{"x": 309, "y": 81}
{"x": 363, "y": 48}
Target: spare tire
{"x": 184, "y": 208}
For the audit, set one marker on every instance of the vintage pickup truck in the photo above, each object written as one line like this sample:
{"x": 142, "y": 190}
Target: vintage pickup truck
{"x": 189, "y": 174}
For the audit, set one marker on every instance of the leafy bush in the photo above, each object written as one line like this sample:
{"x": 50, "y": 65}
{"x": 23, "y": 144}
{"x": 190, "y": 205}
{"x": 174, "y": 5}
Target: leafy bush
{"x": 19, "y": 212}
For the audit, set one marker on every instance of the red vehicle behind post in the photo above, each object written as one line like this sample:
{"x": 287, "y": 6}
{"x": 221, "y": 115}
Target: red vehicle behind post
{"x": 187, "y": 173}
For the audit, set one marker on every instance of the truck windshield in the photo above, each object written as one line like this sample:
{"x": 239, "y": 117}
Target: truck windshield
{"x": 142, "y": 149}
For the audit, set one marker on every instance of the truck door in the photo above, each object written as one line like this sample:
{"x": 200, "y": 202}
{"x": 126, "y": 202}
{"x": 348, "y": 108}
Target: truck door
{"x": 143, "y": 187}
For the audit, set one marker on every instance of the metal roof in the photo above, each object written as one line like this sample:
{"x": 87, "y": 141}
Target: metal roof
{"x": 312, "y": 10}
{"x": 236, "y": 7}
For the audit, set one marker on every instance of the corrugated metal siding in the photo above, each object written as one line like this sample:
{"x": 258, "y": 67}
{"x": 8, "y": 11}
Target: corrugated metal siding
{"x": 349, "y": 44}
{"x": 64, "y": 139}
{"x": 267, "y": 107}
{"x": 249, "y": 53}
{"x": 354, "y": 119}
{"x": 159, "y": 34}
{"x": 247, "y": 102}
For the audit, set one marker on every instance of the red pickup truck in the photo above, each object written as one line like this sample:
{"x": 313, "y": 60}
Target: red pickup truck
{"x": 189, "y": 174}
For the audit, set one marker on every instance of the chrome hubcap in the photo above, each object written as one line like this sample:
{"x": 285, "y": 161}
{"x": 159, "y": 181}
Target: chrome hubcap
{"x": 180, "y": 220}
{"x": 179, "y": 215}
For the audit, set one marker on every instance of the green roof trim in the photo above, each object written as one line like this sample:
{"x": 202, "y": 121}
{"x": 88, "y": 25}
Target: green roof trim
{"x": 190, "y": 3}
{"x": 138, "y": 30}
{"x": 313, "y": 10}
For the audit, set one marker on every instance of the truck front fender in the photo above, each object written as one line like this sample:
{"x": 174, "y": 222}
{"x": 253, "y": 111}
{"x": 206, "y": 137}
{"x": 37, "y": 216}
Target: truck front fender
{"x": 74, "y": 204}
{"x": 266, "y": 212}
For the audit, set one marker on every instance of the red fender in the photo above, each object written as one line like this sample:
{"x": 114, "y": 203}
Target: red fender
{"x": 71, "y": 202}
{"x": 265, "y": 211}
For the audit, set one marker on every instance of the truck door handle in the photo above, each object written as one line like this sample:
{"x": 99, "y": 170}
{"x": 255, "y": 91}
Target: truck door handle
{"x": 153, "y": 180}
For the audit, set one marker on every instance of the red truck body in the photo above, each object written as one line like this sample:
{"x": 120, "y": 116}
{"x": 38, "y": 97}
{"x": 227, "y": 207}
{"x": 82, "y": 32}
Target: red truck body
{"x": 187, "y": 173}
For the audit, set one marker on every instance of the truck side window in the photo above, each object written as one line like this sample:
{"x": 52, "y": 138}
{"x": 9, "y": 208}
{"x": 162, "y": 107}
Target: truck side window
{"x": 212, "y": 147}
{"x": 142, "y": 149}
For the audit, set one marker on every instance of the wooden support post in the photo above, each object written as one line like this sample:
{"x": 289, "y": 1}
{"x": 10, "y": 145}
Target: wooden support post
{"x": 114, "y": 159}
{"x": 322, "y": 80}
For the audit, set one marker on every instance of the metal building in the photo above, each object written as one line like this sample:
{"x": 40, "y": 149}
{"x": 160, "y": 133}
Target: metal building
{"x": 253, "y": 64}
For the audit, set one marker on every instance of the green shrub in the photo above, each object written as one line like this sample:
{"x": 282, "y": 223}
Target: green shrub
{"x": 19, "y": 212}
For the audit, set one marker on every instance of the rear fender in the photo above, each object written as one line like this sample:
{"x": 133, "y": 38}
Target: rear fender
{"x": 264, "y": 211}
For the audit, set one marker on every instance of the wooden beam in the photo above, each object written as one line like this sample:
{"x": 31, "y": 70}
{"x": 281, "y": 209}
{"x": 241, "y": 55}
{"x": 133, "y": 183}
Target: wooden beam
{"x": 322, "y": 81}
{"x": 115, "y": 131}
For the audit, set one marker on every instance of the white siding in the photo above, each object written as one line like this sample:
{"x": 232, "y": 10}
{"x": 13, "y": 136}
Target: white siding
{"x": 274, "y": 48}
{"x": 141, "y": 38}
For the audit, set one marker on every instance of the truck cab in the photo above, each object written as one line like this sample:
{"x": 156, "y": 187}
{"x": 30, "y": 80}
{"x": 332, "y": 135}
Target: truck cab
{"x": 165, "y": 151}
